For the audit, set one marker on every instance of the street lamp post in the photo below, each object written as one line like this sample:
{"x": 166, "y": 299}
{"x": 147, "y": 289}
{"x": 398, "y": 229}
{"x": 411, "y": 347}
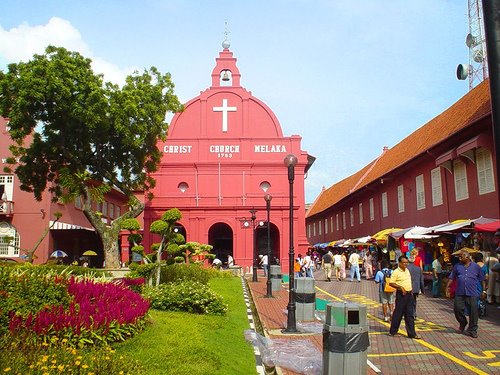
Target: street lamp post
{"x": 291, "y": 324}
{"x": 254, "y": 274}
{"x": 268, "y": 199}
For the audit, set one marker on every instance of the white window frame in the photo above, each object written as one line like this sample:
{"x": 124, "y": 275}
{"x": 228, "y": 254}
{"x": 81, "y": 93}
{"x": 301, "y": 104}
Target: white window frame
{"x": 460, "y": 179}
{"x": 360, "y": 208}
{"x": 344, "y": 224}
{"x": 401, "y": 199}
{"x": 338, "y": 221}
{"x": 385, "y": 210}
{"x": 436, "y": 187}
{"x": 314, "y": 229}
{"x": 331, "y": 224}
{"x": 326, "y": 225}
{"x": 320, "y": 227}
{"x": 420, "y": 191}
{"x": 484, "y": 166}
{"x": 351, "y": 216}
{"x": 372, "y": 210}
{"x": 9, "y": 249}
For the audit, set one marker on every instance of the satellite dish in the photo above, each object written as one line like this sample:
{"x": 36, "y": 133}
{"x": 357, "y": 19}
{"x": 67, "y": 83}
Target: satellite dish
{"x": 478, "y": 56}
{"x": 470, "y": 40}
{"x": 462, "y": 71}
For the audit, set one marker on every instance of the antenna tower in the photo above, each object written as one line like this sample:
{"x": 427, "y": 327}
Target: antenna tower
{"x": 477, "y": 69}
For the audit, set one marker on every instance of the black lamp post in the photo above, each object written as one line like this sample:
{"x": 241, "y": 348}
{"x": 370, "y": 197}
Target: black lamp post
{"x": 291, "y": 323}
{"x": 254, "y": 275}
{"x": 268, "y": 199}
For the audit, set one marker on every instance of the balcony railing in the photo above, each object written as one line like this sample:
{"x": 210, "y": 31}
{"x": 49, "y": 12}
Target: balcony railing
{"x": 6, "y": 208}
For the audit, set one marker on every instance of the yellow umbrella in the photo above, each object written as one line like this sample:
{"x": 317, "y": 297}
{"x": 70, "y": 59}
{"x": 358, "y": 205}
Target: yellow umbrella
{"x": 382, "y": 235}
{"x": 89, "y": 253}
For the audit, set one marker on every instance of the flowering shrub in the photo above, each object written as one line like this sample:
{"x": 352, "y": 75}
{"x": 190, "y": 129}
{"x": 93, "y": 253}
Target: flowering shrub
{"x": 97, "y": 313}
{"x": 65, "y": 360}
{"x": 134, "y": 283}
{"x": 189, "y": 296}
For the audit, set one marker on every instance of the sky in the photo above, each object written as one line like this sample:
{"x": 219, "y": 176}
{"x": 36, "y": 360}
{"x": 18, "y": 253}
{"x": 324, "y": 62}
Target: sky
{"x": 348, "y": 76}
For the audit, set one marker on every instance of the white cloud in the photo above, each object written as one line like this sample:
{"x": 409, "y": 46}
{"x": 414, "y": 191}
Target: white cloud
{"x": 22, "y": 42}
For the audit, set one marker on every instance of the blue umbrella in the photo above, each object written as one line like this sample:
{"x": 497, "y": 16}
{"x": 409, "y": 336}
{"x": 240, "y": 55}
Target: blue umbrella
{"x": 58, "y": 254}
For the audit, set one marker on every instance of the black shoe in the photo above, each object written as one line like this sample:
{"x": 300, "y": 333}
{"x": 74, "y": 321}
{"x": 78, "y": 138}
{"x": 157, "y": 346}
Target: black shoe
{"x": 329, "y": 279}
{"x": 461, "y": 329}
{"x": 472, "y": 334}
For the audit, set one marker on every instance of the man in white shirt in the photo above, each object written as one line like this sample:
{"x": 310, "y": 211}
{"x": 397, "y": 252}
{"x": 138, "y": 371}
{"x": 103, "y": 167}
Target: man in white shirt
{"x": 337, "y": 262}
{"x": 437, "y": 276}
{"x": 264, "y": 262}
{"x": 354, "y": 264}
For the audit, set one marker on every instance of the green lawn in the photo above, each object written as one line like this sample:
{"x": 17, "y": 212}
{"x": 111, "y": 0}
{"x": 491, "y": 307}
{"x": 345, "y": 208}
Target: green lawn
{"x": 181, "y": 343}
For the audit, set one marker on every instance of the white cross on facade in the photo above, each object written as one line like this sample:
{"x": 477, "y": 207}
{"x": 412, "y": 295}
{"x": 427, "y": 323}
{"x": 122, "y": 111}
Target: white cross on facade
{"x": 224, "y": 109}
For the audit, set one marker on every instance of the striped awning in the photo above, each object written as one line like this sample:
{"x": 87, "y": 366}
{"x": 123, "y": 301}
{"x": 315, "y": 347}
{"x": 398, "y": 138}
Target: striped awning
{"x": 58, "y": 225}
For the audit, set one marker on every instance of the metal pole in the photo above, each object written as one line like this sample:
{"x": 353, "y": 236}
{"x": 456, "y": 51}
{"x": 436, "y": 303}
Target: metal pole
{"x": 291, "y": 324}
{"x": 268, "y": 209}
{"x": 491, "y": 14}
{"x": 254, "y": 273}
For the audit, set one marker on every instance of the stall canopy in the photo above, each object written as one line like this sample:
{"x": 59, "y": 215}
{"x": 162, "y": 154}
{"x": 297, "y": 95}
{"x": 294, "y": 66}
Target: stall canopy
{"x": 414, "y": 233}
{"x": 488, "y": 227}
{"x": 382, "y": 235}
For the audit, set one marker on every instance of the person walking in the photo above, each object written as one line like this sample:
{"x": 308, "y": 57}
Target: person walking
{"x": 343, "y": 261}
{"x": 264, "y": 262}
{"x": 368, "y": 265}
{"x": 308, "y": 265}
{"x": 437, "y": 276}
{"x": 467, "y": 275}
{"x": 337, "y": 263}
{"x": 326, "y": 264}
{"x": 354, "y": 265}
{"x": 417, "y": 281}
{"x": 401, "y": 280}
{"x": 386, "y": 298}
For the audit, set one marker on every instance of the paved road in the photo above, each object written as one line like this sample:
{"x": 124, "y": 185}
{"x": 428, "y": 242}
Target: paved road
{"x": 441, "y": 349}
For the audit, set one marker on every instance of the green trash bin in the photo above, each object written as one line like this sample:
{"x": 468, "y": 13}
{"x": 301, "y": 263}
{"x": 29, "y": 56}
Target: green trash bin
{"x": 345, "y": 339}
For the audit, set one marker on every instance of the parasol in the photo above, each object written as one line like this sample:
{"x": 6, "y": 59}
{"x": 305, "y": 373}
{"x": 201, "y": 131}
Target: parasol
{"x": 90, "y": 253}
{"x": 58, "y": 254}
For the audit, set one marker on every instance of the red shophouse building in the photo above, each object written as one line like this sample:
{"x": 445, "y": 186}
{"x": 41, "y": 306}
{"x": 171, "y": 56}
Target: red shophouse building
{"x": 223, "y": 153}
{"x": 442, "y": 172}
{"x": 24, "y": 219}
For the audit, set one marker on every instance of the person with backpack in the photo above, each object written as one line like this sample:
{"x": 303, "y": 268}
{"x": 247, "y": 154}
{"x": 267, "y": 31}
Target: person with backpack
{"x": 386, "y": 297}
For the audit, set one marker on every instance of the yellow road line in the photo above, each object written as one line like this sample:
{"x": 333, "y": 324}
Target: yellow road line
{"x": 424, "y": 343}
{"x": 400, "y": 354}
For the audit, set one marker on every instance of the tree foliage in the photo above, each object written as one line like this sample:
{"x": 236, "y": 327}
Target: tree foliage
{"x": 76, "y": 135}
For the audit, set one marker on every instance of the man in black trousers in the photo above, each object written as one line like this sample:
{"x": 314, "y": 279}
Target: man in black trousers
{"x": 417, "y": 281}
{"x": 405, "y": 304}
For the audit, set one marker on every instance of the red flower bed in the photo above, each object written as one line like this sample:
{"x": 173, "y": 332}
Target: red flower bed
{"x": 96, "y": 309}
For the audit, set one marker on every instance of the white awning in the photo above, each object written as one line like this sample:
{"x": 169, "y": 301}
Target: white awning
{"x": 60, "y": 225}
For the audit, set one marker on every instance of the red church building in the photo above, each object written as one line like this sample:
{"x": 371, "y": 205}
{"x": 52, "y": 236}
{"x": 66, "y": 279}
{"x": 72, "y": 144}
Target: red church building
{"x": 223, "y": 154}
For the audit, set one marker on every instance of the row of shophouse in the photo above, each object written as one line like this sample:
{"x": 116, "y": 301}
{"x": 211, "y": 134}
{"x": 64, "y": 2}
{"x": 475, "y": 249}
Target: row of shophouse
{"x": 442, "y": 172}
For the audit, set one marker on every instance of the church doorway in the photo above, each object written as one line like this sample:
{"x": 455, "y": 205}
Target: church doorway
{"x": 274, "y": 242}
{"x": 220, "y": 236}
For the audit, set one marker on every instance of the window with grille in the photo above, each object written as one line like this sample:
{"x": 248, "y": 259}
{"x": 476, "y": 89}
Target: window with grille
{"x": 343, "y": 220}
{"x": 351, "y": 216}
{"x": 326, "y": 226}
{"x": 361, "y": 213}
{"x": 9, "y": 241}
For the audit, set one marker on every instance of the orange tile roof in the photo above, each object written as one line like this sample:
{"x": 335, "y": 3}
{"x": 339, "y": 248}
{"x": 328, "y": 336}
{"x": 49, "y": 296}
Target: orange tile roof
{"x": 470, "y": 108}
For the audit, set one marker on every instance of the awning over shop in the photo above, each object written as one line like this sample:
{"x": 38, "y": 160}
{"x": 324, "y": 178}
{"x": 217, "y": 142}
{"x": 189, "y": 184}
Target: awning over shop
{"x": 488, "y": 227}
{"x": 382, "y": 235}
{"x": 414, "y": 233}
{"x": 58, "y": 225}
